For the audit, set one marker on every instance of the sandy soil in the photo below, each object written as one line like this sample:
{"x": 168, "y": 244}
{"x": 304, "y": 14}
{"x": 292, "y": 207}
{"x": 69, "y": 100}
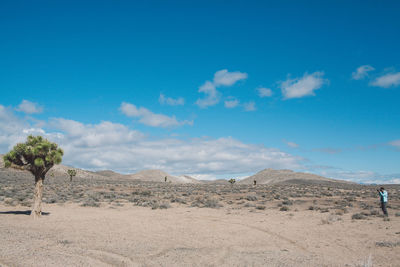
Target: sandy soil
{"x": 71, "y": 235}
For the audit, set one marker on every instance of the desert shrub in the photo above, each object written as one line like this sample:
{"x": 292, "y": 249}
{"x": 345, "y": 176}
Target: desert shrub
{"x": 178, "y": 200}
{"x": 331, "y": 219}
{"x": 207, "y": 202}
{"x": 260, "y": 207}
{"x": 397, "y": 214}
{"x": 374, "y": 212}
{"x": 64, "y": 242}
{"x": 284, "y": 208}
{"x": 311, "y": 208}
{"x": 365, "y": 206}
{"x": 251, "y": 198}
{"x": 145, "y": 193}
{"x": 26, "y": 203}
{"x": 339, "y": 212}
{"x": 388, "y": 244}
{"x": 51, "y": 200}
{"x": 165, "y": 205}
{"x": 212, "y": 203}
{"x": 358, "y": 216}
{"x": 287, "y": 202}
{"x": 324, "y": 210}
{"x": 154, "y": 205}
{"x": 9, "y": 201}
{"x": 90, "y": 203}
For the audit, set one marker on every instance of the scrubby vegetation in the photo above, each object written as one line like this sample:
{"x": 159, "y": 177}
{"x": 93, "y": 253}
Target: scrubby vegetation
{"x": 359, "y": 202}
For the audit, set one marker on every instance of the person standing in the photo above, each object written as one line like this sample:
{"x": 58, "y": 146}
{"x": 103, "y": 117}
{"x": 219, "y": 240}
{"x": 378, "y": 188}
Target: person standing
{"x": 384, "y": 199}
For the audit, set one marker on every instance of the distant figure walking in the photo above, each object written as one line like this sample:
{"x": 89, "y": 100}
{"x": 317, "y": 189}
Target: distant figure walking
{"x": 255, "y": 182}
{"x": 384, "y": 199}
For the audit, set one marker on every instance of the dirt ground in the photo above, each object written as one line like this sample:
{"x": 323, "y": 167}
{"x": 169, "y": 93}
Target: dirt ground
{"x": 72, "y": 235}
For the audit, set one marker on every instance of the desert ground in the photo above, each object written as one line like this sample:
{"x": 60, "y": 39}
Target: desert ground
{"x": 112, "y": 221}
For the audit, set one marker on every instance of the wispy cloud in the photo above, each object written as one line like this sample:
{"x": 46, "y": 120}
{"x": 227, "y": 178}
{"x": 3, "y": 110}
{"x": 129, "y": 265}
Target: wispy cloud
{"x": 304, "y": 86}
{"x": 328, "y": 150}
{"x": 249, "y": 106}
{"x": 362, "y": 72}
{"x": 149, "y": 118}
{"x": 171, "y": 101}
{"x": 29, "y": 107}
{"x": 264, "y": 92}
{"x": 231, "y": 102}
{"x": 362, "y": 176}
{"x": 226, "y": 78}
{"x": 212, "y": 95}
{"x": 387, "y": 80}
{"x": 291, "y": 144}
{"x": 221, "y": 78}
{"x": 395, "y": 143}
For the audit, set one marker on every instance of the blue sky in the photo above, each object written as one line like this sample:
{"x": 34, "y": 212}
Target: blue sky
{"x": 207, "y": 88}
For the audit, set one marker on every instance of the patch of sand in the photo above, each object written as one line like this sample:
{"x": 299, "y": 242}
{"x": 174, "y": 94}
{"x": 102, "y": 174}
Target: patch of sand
{"x": 135, "y": 236}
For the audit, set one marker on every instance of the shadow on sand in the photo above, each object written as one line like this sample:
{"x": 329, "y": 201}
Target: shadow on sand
{"x": 21, "y": 212}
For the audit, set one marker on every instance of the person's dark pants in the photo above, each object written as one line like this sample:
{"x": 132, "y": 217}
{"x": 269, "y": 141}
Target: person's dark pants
{"x": 383, "y": 206}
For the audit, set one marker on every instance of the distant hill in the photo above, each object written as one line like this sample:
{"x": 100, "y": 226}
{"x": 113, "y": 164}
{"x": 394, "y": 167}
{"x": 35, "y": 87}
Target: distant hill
{"x": 271, "y": 176}
{"x": 159, "y": 176}
{"x": 267, "y": 176}
{"x": 108, "y": 173}
{"x": 61, "y": 170}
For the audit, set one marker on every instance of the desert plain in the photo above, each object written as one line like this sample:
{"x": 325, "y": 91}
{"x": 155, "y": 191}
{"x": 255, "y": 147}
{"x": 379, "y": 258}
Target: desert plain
{"x": 106, "y": 219}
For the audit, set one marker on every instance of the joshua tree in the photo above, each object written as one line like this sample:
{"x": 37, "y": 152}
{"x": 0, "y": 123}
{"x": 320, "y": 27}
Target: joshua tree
{"x": 232, "y": 181}
{"x": 165, "y": 178}
{"x": 36, "y": 155}
{"x": 71, "y": 174}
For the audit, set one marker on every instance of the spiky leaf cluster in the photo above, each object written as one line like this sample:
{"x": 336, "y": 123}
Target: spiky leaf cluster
{"x": 37, "y": 155}
{"x": 71, "y": 172}
{"x": 232, "y": 180}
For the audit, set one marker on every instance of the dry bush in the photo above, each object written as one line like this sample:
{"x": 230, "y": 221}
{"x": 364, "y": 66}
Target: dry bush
{"x": 284, "y": 208}
{"x": 358, "y": 216}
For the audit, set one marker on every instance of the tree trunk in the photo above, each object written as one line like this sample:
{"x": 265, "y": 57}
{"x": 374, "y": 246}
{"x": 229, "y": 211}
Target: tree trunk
{"x": 70, "y": 178}
{"x": 37, "y": 206}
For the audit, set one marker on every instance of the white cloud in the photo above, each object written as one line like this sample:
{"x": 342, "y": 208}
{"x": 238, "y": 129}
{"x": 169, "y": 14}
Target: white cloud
{"x": 221, "y": 78}
{"x": 10, "y": 128}
{"x": 212, "y": 95}
{"x": 304, "y": 86}
{"x": 395, "y": 143}
{"x": 171, "y": 101}
{"x": 362, "y": 72}
{"x": 114, "y": 146}
{"x": 264, "y": 92}
{"x": 231, "y": 102}
{"x": 226, "y": 78}
{"x": 249, "y": 106}
{"x": 29, "y": 107}
{"x": 149, "y": 118}
{"x": 387, "y": 80}
{"x": 364, "y": 177}
{"x": 291, "y": 144}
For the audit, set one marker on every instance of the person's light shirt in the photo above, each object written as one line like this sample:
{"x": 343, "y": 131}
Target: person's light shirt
{"x": 384, "y": 196}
